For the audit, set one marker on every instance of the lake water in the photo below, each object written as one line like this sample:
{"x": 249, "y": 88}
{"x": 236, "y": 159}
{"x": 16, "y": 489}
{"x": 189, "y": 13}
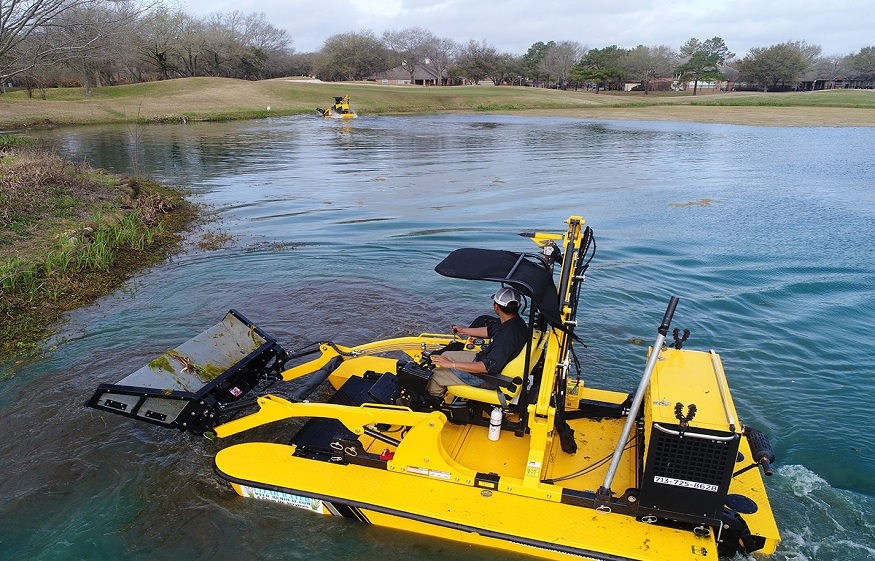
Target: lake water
{"x": 767, "y": 235}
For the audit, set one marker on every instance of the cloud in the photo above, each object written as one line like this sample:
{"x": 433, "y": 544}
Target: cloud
{"x": 378, "y": 8}
{"x": 840, "y": 27}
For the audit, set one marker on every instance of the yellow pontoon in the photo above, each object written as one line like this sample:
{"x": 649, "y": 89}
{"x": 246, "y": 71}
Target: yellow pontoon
{"x": 667, "y": 472}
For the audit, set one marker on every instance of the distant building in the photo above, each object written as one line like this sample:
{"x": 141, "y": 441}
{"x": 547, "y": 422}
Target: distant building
{"x": 424, "y": 75}
{"x": 726, "y": 85}
{"x": 653, "y": 85}
{"x": 837, "y": 80}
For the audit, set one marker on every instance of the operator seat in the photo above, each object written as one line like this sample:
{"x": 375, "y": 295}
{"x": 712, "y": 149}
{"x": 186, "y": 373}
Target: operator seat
{"x": 512, "y": 375}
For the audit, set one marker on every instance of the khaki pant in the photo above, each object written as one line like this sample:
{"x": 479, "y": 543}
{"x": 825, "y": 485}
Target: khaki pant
{"x": 443, "y": 377}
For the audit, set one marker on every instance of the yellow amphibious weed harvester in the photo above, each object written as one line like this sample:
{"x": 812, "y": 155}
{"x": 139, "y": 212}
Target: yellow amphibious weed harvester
{"x": 667, "y": 472}
{"x": 340, "y": 109}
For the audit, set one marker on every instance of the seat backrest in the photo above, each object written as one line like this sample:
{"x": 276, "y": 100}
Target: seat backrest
{"x": 513, "y": 369}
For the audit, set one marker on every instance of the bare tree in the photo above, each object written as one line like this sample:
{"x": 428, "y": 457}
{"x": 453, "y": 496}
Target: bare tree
{"x": 222, "y": 42}
{"x": 410, "y": 45}
{"x": 259, "y": 33}
{"x": 809, "y": 52}
{"x": 160, "y": 35}
{"x": 192, "y": 42}
{"x": 645, "y": 63}
{"x": 86, "y": 38}
{"x": 559, "y": 59}
{"x": 508, "y": 69}
{"x": 864, "y": 62}
{"x": 476, "y": 61}
{"x": 41, "y": 71}
{"x": 301, "y": 64}
{"x": 440, "y": 54}
{"x": 232, "y": 44}
{"x": 19, "y": 19}
{"x": 262, "y": 43}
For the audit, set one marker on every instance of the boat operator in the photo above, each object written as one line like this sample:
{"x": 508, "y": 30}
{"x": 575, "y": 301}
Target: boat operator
{"x": 507, "y": 336}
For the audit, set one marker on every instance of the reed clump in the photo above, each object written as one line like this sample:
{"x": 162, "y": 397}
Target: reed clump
{"x": 70, "y": 233}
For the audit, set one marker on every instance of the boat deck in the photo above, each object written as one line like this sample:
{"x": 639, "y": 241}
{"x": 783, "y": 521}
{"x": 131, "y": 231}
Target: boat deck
{"x": 470, "y": 446}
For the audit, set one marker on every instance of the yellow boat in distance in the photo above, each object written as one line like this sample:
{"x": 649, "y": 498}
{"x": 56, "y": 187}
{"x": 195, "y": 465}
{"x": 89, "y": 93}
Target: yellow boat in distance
{"x": 340, "y": 109}
{"x": 537, "y": 462}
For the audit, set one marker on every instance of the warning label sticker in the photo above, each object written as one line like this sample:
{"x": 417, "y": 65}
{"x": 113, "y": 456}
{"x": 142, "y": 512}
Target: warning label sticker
{"x": 429, "y": 472}
{"x": 305, "y": 503}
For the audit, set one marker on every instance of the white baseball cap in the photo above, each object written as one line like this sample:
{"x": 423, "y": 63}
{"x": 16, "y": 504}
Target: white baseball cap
{"x": 508, "y": 297}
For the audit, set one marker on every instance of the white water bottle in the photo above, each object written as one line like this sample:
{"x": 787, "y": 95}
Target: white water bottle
{"x": 495, "y": 423}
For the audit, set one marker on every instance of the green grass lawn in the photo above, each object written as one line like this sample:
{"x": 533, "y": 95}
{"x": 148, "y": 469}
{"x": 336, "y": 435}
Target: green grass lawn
{"x": 222, "y": 98}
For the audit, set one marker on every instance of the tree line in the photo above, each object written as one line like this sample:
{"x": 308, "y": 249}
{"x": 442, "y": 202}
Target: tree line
{"x": 87, "y": 43}
{"x": 45, "y": 43}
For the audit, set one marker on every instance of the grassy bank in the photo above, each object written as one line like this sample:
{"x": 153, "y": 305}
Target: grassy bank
{"x": 69, "y": 234}
{"x": 194, "y": 99}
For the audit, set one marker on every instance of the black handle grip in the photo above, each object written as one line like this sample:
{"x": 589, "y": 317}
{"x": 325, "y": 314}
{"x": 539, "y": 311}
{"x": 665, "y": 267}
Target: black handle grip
{"x": 669, "y": 312}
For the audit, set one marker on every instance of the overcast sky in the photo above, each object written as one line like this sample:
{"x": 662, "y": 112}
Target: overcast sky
{"x": 840, "y": 27}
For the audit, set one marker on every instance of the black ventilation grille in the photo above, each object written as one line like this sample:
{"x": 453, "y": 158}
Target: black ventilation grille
{"x": 689, "y": 459}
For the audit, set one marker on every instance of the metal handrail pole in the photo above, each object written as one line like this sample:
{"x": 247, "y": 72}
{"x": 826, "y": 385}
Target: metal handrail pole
{"x": 605, "y": 489}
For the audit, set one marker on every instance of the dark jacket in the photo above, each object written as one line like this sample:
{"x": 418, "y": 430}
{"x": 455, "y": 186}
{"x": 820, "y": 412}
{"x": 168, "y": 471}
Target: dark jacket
{"x": 506, "y": 340}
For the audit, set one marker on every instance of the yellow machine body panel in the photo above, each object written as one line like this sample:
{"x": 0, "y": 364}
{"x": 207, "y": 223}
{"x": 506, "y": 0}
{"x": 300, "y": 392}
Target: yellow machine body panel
{"x": 430, "y": 503}
{"x": 690, "y": 378}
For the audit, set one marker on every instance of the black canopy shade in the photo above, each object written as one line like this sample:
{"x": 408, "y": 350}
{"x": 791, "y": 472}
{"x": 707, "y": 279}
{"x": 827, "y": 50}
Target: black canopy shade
{"x": 526, "y": 272}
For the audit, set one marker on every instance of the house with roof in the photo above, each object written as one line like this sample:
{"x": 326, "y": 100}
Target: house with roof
{"x": 728, "y": 84}
{"x": 840, "y": 78}
{"x": 423, "y": 75}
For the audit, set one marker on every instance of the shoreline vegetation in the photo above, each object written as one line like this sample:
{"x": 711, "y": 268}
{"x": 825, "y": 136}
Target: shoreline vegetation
{"x": 185, "y": 100}
{"x": 69, "y": 233}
